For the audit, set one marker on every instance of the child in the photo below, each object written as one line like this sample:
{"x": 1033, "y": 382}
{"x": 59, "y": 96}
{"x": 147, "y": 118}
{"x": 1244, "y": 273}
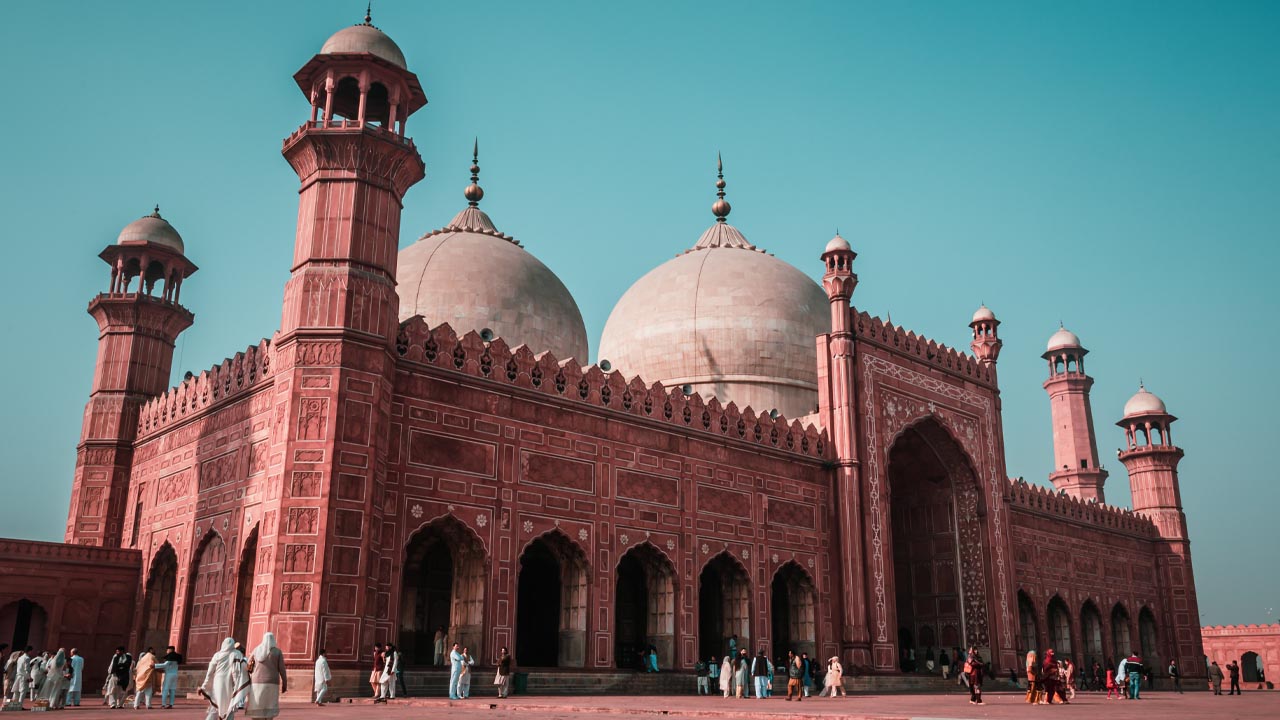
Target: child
{"x": 1111, "y": 684}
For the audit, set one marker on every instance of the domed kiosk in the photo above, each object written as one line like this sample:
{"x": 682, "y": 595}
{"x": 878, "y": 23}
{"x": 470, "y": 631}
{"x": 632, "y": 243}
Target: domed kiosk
{"x": 725, "y": 318}
{"x": 474, "y": 277}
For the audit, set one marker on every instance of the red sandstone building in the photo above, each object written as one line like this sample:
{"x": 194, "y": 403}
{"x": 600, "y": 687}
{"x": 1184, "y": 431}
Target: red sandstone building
{"x": 421, "y": 445}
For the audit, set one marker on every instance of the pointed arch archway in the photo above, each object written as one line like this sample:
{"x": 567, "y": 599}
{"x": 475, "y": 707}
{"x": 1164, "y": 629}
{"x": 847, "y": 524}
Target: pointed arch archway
{"x": 442, "y": 589}
{"x": 23, "y": 623}
{"x": 244, "y": 589}
{"x": 208, "y": 598}
{"x": 937, "y": 512}
{"x": 1059, "y": 621}
{"x": 1148, "y": 640}
{"x": 644, "y": 606}
{"x": 724, "y": 605}
{"x": 157, "y": 606}
{"x": 792, "y": 611}
{"x": 551, "y": 603}
{"x": 1091, "y": 633}
{"x": 1028, "y": 627}
{"x": 1121, "y": 637}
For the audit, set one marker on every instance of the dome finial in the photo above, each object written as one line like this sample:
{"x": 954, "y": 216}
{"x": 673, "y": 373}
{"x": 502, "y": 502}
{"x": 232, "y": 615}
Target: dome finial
{"x": 156, "y": 213}
{"x": 368, "y": 13}
{"x": 720, "y": 208}
{"x": 1141, "y": 385}
{"x": 474, "y": 193}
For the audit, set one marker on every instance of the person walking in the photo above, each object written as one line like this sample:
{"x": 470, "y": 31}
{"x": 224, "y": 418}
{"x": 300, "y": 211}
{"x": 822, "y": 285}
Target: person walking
{"x": 75, "y": 664}
{"x": 1112, "y": 685}
{"x": 387, "y": 680}
{"x": 795, "y": 675}
{"x": 975, "y": 669}
{"x": 1176, "y": 675}
{"x": 726, "y": 676}
{"x": 267, "y": 679}
{"x": 1048, "y": 678}
{"x": 760, "y": 674}
{"x": 455, "y": 670}
{"x": 1097, "y": 677}
{"x": 118, "y": 677}
{"x": 742, "y": 670}
{"x": 170, "y": 664}
{"x": 1133, "y": 668}
{"x": 1033, "y": 677}
{"x": 144, "y": 679}
{"x": 223, "y": 681}
{"x": 833, "y": 684}
{"x": 322, "y": 678}
{"x": 375, "y": 677}
{"x": 1234, "y": 669}
{"x": 503, "y": 678}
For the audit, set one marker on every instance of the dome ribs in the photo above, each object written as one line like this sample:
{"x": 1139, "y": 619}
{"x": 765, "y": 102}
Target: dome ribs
{"x": 494, "y": 361}
{"x": 230, "y": 379}
{"x": 899, "y": 340}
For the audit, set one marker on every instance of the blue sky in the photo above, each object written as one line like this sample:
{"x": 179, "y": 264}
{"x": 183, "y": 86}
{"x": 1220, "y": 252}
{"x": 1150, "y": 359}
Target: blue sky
{"x": 1115, "y": 166}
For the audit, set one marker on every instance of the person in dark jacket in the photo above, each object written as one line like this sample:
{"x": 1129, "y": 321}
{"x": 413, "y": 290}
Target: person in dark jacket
{"x": 1234, "y": 669}
{"x": 976, "y": 670}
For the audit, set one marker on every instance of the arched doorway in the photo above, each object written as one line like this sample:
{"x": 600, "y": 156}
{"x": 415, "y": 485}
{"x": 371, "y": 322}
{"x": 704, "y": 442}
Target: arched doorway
{"x": 244, "y": 588}
{"x": 24, "y": 623}
{"x": 936, "y": 509}
{"x": 1147, "y": 640}
{"x": 1059, "y": 619}
{"x": 551, "y": 604}
{"x": 1091, "y": 633}
{"x": 208, "y": 600}
{"x": 644, "y": 608}
{"x": 157, "y": 609}
{"x": 792, "y": 612}
{"x": 1251, "y": 667}
{"x": 1121, "y": 643}
{"x": 443, "y": 587}
{"x": 1028, "y": 635}
{"x": 724, "y": 606}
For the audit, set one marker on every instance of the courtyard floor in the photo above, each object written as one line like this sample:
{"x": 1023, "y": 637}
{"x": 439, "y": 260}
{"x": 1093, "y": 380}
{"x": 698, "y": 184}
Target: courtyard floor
{"x": 1156, "y": 706}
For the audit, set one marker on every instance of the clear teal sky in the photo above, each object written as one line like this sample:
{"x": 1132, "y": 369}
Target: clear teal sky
{"x": 1115, "y": 166}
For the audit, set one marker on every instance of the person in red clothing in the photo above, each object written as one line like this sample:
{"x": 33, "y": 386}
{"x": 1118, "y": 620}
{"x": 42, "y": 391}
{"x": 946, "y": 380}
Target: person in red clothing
{"x": 1049, "y": 677}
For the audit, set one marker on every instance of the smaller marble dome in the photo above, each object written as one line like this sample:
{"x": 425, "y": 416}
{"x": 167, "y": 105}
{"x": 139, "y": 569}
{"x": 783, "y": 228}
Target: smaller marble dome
{"x": 1144, "y": 403}
{"x": 837, "y": 244}
{"x": 151, "y": 229}
{"x": 984, "y": 314}
{"x": 474, "y": 277}
{"x": 364, "y": 38}
{"x": 1064, "y": 338}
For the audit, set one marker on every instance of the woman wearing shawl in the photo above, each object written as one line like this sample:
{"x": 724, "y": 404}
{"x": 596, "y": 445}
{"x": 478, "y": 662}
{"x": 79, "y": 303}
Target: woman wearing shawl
{"x": 39, "y": 669}
{"x": 741, "y": 679}
{"x": 54, "y": 688}
{"x": 222, "y": 681}
{"x": 834, "y": 683}
{"x": 726, "y": 677}
{"x": 976, "y": 670}
{"x": 1033, "y": 677}
{"x": 144, "y": 679}
{"x": 267, "y": 679}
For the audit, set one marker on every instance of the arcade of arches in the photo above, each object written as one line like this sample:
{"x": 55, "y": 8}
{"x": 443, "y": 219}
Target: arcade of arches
{"x": 1088, "y": 645}
{"x": 938, "y": 542}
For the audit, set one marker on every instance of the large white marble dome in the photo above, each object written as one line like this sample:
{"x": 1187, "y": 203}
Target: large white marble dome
{"x": 474, "y": 277}
{"x": 726, "y": 318}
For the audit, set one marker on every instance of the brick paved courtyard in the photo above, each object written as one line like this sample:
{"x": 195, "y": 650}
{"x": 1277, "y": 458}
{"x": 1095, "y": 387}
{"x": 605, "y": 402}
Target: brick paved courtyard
{"x": 1157, "y": 706}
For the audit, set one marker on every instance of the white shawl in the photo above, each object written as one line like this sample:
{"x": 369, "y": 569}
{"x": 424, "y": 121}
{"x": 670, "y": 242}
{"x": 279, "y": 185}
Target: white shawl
{"x": 224, "y": 679}
{"x": 726, "y": 674}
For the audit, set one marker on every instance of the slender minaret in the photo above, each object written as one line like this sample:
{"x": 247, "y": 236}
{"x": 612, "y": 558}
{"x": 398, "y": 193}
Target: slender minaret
{"x": 1152, "y": 461}
{"x": 836, "y": 406}
{"x": 986, "y": 337}
{"x": 1075, "y": 449}
{"x": 139, "y": 320}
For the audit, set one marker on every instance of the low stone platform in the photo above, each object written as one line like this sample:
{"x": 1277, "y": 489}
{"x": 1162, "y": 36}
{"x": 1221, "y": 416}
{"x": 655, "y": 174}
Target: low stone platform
{"x": 998, "y": 706}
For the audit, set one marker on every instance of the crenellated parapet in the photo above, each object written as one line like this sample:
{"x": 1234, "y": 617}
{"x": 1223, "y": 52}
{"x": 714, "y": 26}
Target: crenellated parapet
{"x": 1025, "y": 496}
{"x": 906, "y": 342}
{"x": 520, "y": 367}
{"x": 1250, "y": 629}
{"x": 229, "y": 380}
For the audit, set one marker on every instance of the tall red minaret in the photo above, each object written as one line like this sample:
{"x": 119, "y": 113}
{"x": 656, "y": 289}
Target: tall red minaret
{"x": 1075, "y": 448}
{"x": 139, "y": 320}
{"x": 836, "y": 406}
{"x": 1152, "y": 461}
{"x": 335, "y": 354}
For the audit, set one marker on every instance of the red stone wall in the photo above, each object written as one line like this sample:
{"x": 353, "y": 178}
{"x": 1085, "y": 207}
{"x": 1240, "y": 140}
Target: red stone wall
{"x": 84, "y": 598}
{"x": 1225, "y": 643}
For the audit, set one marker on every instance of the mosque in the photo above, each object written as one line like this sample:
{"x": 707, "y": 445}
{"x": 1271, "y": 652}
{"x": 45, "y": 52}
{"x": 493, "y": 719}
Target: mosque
{"x": 423, "y": 444}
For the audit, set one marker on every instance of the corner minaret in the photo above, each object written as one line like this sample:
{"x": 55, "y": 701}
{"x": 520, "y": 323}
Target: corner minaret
{"x": 986, "y": 337}
{"x": 139, "y": 320}
{"x": 837, "y": 377}
{"x": 1152, "y": 461}
{"x": 1075, "y": 448}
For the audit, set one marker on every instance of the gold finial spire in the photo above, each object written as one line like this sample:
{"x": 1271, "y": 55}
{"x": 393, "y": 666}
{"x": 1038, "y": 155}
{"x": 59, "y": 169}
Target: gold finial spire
{"x": 474, "y": 193}
{"x": 720, "y": 208}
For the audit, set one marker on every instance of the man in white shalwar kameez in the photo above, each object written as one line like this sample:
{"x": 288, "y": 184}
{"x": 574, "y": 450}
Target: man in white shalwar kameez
{"x": 22, "y": 676}
{"x": 455, "y": 670}
{"x": 323, "y": 676}
{"x": 77, "y": 678}
{"x": 223, "y": 681}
